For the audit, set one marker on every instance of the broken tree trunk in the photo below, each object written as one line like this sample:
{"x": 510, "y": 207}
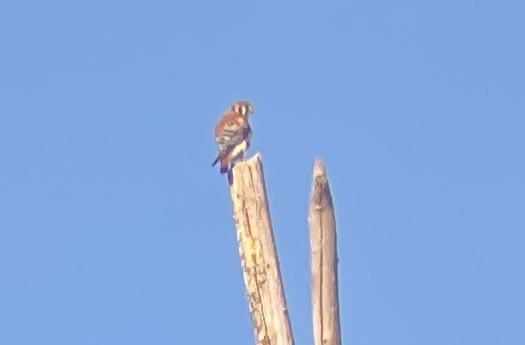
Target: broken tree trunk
{"x": 260, "y": 264}
{"x": 323, "y": 242}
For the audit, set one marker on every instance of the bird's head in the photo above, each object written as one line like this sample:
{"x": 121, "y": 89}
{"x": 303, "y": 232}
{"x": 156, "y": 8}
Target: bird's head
{"x": 244, "y": 108}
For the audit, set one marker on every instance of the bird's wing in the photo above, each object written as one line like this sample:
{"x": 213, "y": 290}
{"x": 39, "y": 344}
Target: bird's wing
{"x": 230, "y": 131}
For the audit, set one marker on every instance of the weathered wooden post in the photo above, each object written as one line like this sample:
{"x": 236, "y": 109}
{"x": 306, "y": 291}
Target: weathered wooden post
{"x": 323, "y": 242}
{"x": 259, "y": 260}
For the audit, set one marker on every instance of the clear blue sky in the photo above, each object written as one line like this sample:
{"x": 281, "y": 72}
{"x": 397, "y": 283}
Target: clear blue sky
{"x": 114, "y": 229}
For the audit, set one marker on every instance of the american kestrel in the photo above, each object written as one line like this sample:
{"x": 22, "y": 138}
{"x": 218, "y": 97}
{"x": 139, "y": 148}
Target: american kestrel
{"x": 233, "y": 135}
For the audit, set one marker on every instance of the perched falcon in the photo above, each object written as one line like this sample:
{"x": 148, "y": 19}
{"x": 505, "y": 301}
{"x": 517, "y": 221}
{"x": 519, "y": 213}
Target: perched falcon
{"x": 232, "y": 135}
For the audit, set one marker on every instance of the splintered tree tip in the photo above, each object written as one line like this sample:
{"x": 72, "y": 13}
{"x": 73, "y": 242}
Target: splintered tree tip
{"x": 243, "y": 167}
{"x": 252, "y": 161}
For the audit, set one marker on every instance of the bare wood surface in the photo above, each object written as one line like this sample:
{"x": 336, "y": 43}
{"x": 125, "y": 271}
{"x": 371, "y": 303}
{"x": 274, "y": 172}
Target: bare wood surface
{"x": 323, "y": 243}
{"x": 260, "y": 264}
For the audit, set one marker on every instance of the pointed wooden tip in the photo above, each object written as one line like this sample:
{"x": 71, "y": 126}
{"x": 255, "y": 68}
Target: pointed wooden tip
{"x": 319, "y": 175}
{"x": 319, "y": 169}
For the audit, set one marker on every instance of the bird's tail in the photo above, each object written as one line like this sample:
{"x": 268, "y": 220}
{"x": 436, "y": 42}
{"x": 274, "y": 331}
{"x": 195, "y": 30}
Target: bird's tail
{"x": 224, "y": 164}
{"x": 216, "y": 160}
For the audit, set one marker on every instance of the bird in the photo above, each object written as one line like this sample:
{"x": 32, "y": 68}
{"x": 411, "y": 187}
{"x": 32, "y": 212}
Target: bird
{"x": 233, "y": 135}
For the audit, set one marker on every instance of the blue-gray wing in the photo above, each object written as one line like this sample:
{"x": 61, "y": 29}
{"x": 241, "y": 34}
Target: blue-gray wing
{"x": 231, "y": 130}
{"x": 231, "y": 138}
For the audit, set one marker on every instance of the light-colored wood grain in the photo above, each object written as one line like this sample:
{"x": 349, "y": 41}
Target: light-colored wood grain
{"x": 323, "y": 242}
{"x": 259, "y": 260}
